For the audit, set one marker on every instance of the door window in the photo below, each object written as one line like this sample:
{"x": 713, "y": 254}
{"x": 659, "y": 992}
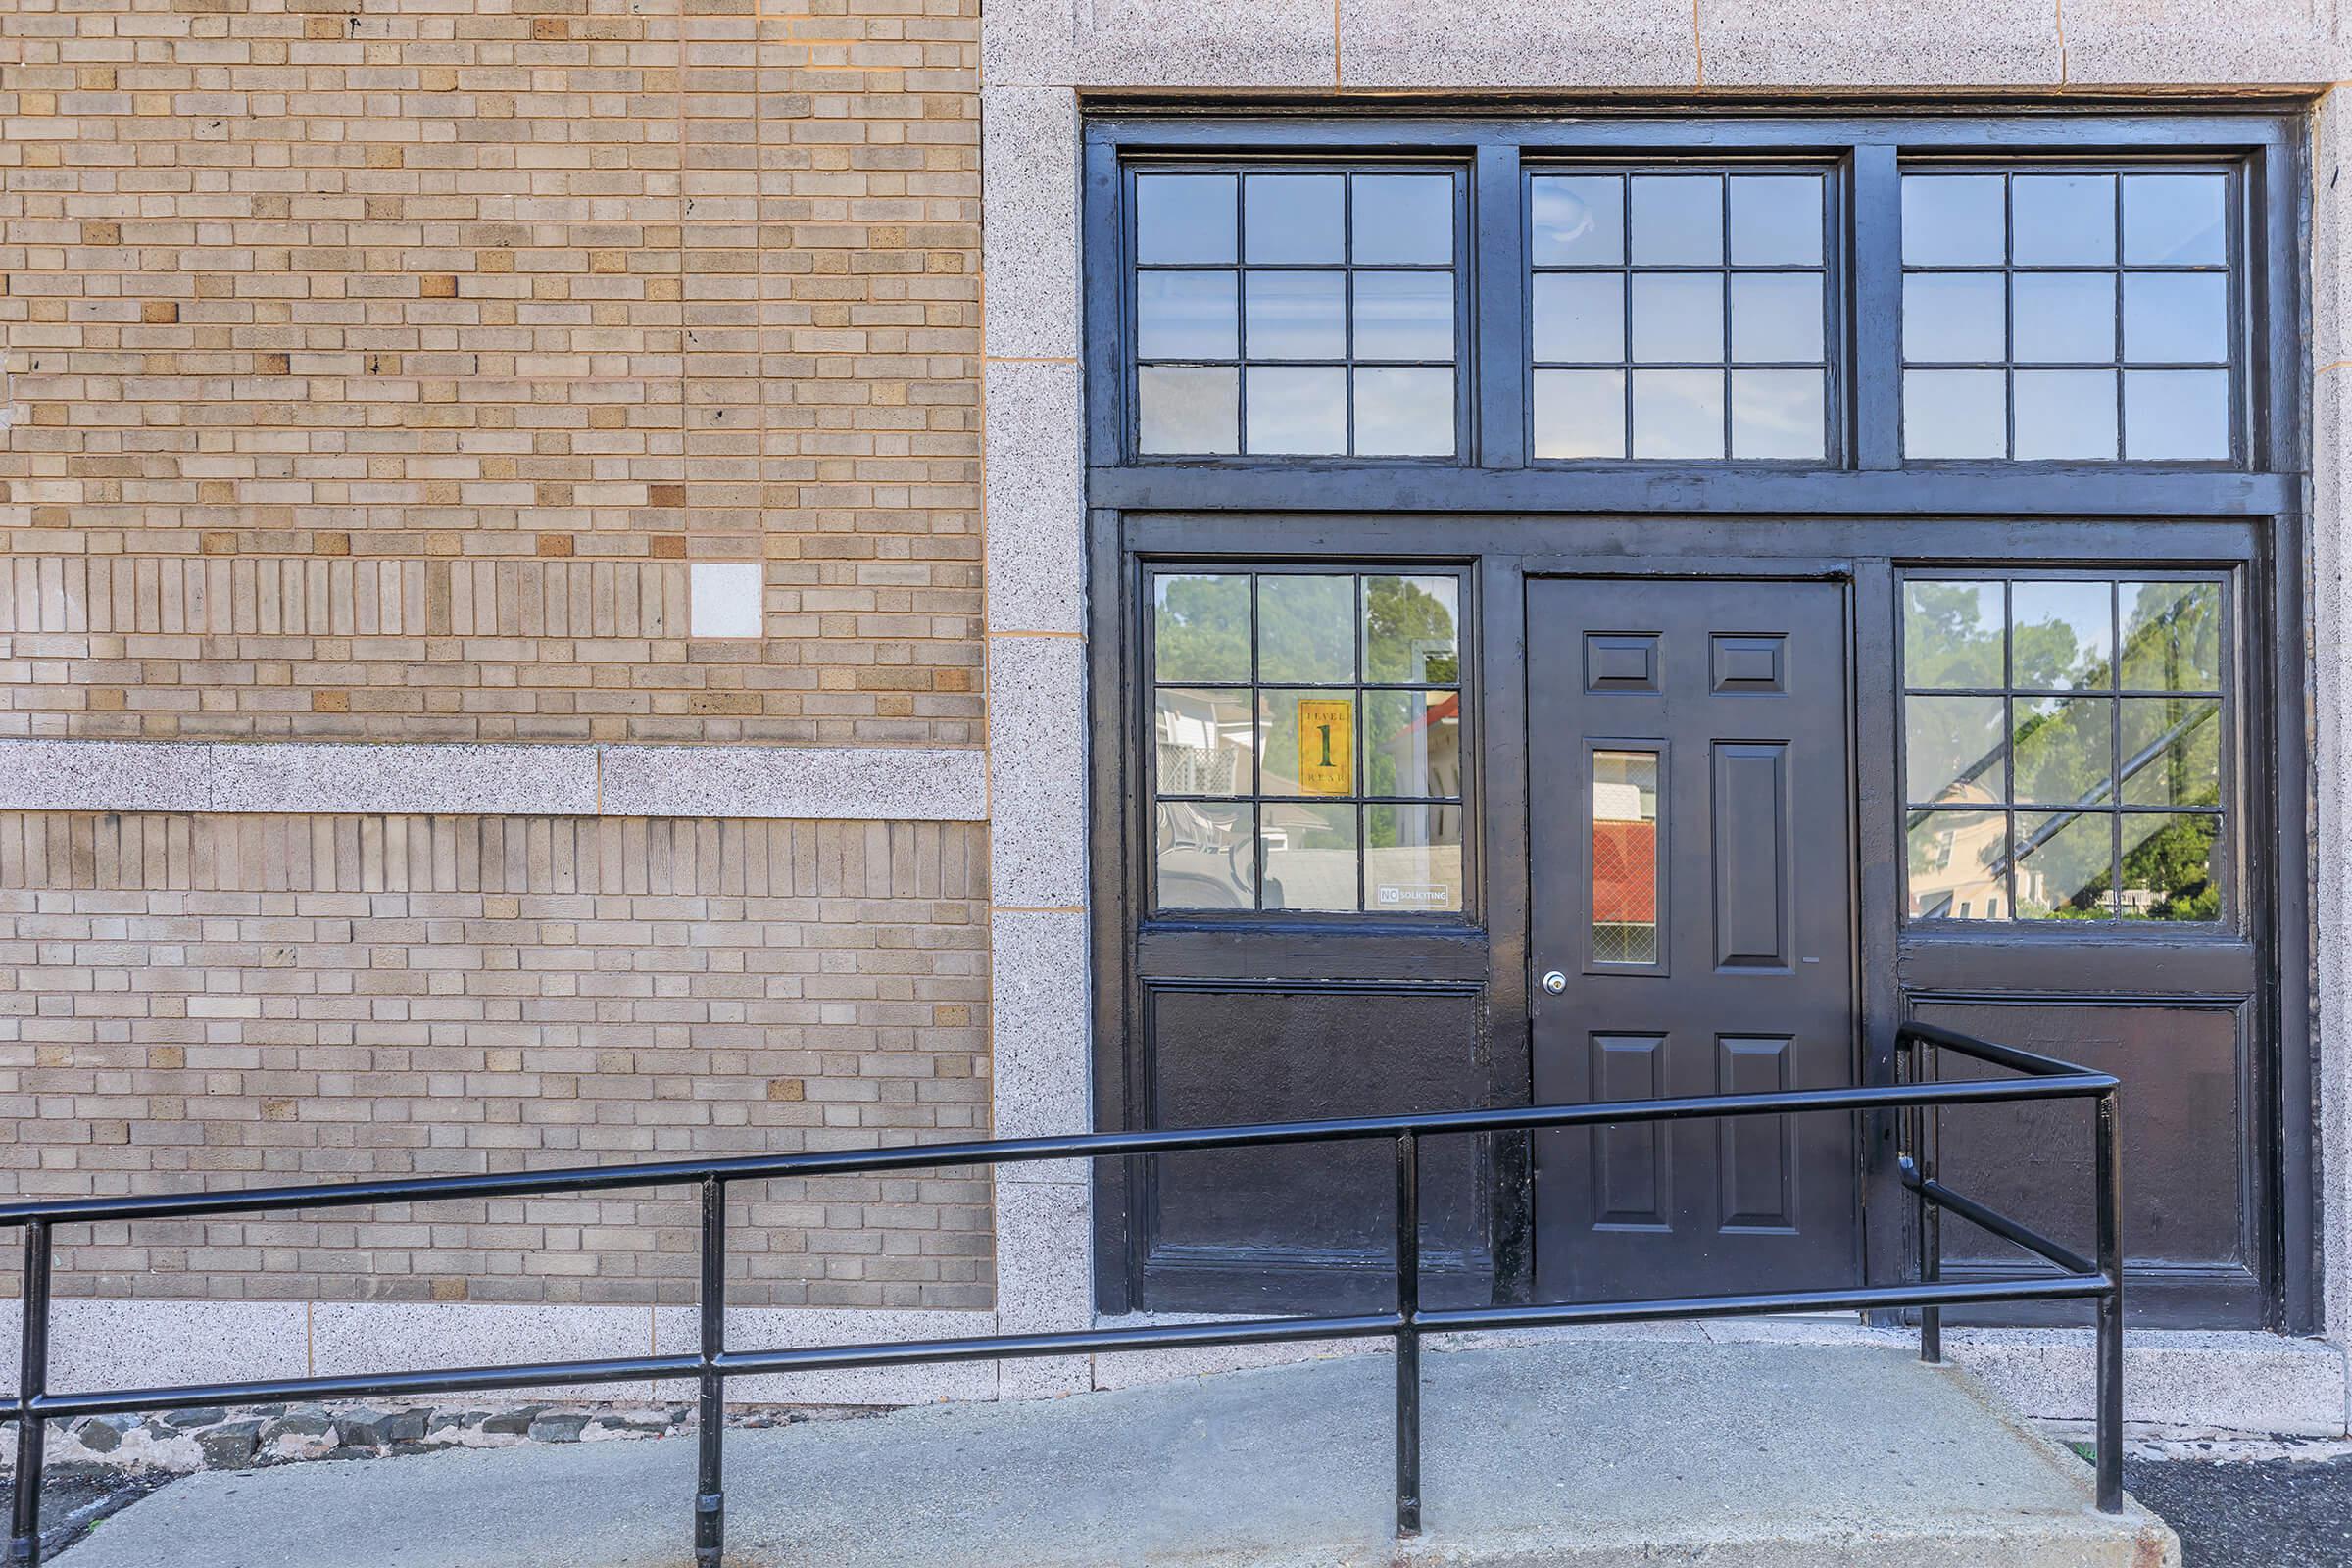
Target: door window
{"x": 2064, "y": 752}
{"x": 1307, "y": 741}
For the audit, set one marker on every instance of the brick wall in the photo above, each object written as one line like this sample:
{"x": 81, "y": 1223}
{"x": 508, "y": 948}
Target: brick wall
{"x": 374, "y": 368}
{"x": 288, "y": 997}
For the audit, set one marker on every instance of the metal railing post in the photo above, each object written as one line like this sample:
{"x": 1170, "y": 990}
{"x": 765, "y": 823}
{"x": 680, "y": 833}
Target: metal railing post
{"x": 1408, "y": 1336}
{"x": 711, "y": 1429}
{"x": 33, "y": 1381}
{"x": 2109, "y": 1158}
{"x": 1930, "y": 1214}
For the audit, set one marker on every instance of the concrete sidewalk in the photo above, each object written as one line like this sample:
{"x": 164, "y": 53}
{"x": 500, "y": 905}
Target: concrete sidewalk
{"x": 1573, "y": 1452}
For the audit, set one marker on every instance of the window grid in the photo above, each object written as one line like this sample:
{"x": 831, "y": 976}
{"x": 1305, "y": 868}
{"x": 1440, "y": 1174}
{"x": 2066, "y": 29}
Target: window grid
{"x": 1628, "y": 365}
{"x": 1349, "y": 266}
{"x": 2118, "y": 272}
{"x": 1360, "y": 800}
{"x": 2107, "y": 802}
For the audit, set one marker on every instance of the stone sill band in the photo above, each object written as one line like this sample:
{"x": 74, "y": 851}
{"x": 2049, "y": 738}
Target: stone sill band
{"x": 800, "y": 783}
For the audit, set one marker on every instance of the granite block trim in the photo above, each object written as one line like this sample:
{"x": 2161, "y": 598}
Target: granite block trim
{"x": 846, "y": 783}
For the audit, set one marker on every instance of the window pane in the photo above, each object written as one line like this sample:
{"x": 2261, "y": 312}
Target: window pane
{"x": 1205, "y": 857}
{"x": 1200, "y": 628}
{"x": 2063, "y": 750}
{"x": 1298, "y": 315}
{"x": 2171, "y": 868}
{"x": 1776, "y": 413}
{"x": 1580, "y": 413}
{"x": 1776, "y": 220}
{"x": 2172, "y": 636}
{"x": 1411, "y": 627}
{"x": 1206, "y": 741}
{"x": 1309, "y": 743}
{"x": 1305, "y": 629}
{"x": 1953, "y": 317}
{"x": 1954, "y": 750}
{"x": 2065, "y": 414}
{"x": 2065, "y": 865}
{"x": 1958, "y": 864}
{"x": 2176, "y": 318}
{"x": 1298, "y": 410}
{"x": 1952, "y": 634}
{"x": 2064, "y": 636}
{"x": 1412, "y": 858}
{"x": 1403, "y": 219}
{"x": 1677, "y": 220}
{"x": 1186, "y": 409}
{"x": 1184, "y": 217}
{"x": 2175, "y": 219}
{"x": 1625, "y": 856}
{"x": 1678, "y": 413}
{"x": 1310, "y": 855}
{"x": 1578, "y": 221}
{"x": 1184, "y": 316}
{"x": 1404, "y": 316}
{"x": 1678, "y": 318}
{"x": 1776, "y": 318}
{"x": 1412, "y": 744}
{"x": 2184, "y": 415}
{"x": 1404, "y": 413}
{"x": 2064, "y": 317}
{"x": 2172, "y": 750}
{"x": 2062, "y": 219}
{"x": 1955, "y": 413}
{"x": 1294, "y": 217}
{"x": 1952, "y": 220}
{"x": 1580, "y": 316}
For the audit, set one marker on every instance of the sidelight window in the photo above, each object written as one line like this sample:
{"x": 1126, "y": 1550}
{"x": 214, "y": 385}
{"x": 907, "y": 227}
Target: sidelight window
{"x": 2064, "y": 752}
{"x": 2058, "y": 314}
{"x": 1307, "y": 741}
{"x": 1297, "y": 311}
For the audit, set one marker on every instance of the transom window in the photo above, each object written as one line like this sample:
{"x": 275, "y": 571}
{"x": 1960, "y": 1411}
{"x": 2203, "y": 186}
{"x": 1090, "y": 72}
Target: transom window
{"x": 1679, "y": 314}
{"x": 1307, "y": 741}
{"x": 2068, "y": 314}
{"x": 1297, "y": 311}
{"x": 2063, "y": 750}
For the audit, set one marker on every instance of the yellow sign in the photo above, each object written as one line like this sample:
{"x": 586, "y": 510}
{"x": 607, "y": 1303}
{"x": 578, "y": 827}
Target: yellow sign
{"x": 1326, "y": 745}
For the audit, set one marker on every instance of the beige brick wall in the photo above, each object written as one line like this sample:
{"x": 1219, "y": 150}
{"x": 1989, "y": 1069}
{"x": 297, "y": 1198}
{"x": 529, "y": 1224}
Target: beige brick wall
{"x": 205, "y": 1000}
{"x": 374, "y": 368}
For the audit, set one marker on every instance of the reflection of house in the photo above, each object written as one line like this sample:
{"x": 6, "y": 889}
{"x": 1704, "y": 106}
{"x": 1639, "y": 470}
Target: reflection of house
{"x": 1959, "y": 867}
{"x": 1429, "y": 747}
{"x": 1204, "y": 739}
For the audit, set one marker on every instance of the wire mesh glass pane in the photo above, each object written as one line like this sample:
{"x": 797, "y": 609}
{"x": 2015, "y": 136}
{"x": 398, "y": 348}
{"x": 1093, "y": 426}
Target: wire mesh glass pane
{"x": 1625, "y": 856}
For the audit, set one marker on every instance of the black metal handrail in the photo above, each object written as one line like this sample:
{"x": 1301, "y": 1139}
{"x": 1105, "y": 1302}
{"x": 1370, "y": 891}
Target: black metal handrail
{"x": 1918, "y": 1103}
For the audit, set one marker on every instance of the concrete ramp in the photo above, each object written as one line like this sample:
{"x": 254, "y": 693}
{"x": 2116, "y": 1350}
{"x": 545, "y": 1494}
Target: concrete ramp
{"x": 1578, "y": 1453}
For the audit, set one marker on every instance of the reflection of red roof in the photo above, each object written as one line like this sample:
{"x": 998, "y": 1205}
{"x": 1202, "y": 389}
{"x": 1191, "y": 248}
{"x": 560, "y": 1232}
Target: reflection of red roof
{"x": 1625, "y": 873}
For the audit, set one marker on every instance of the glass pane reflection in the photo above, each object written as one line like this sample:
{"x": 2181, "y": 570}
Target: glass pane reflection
{"x": 1957, "y": 865}
{"x": 2065, "y": 865}
{"x": 2170, "y": 868}
{"x": 1205, "y": 857}
{"x": 1412, "y": 858}
{"x": 1310, "y": 855}
{"x": 1625, "y": 856}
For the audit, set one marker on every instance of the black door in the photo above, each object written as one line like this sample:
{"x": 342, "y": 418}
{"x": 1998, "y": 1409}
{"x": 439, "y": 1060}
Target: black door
{"x": 1692, "y": 929}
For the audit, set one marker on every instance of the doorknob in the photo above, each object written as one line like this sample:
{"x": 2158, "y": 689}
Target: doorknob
{"x": 1554, "y": 981}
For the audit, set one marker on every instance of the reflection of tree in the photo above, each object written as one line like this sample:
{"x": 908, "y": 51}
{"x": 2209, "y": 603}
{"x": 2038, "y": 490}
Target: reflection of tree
{"x": 1952, "y": 634}
{"x": 1202, "y": 628}
{"x": 2176, "y": 865}
{"x": 1409, "y": 633}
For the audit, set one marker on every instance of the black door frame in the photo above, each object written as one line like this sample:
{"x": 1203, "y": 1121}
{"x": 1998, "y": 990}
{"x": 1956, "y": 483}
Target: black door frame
{"x": 1504, "y": 516}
